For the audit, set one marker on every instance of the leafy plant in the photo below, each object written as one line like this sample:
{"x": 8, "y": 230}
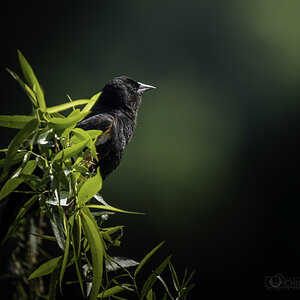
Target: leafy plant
{"x": 52, "y": 163}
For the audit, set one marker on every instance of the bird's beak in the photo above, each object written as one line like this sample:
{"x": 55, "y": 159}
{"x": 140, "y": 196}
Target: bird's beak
{"x": 144, "y": 87}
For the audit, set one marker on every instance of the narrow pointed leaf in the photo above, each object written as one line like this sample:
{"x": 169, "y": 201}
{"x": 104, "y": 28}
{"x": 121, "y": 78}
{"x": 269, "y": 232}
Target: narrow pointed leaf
{"x": 9, "y": 187}
{"x": 90, "y": 188}
{"x": 76, "y": 242}
{"x": 189, "y": 279}
{"x": 97, "y": 255}
{"x": 150, "y": 295}
{"x": 23, "y": 212}
{"x": 70, "y": 151}
{"x": 174, "y": 277}
{"x": 12, "y": 183}
{"x": 46, "y": 268}
{"x": 111, "y": 208}
{"x": 165, "y": 286}
{"x": 57, "y": 227}
{"x": 15, "y": 121}
{"x": 146, "y": 258}
{"x": 65, "y": 106}
{"x": 66, "y": 253}
{"x": 18, "y": 157}
{"x": 62, "y": 123}
{"x": 165, "y": 297}
{"x": 91, "y": 103}
{"x": 20, "y": 137}
{"x": 113, "y": 291}
{"x": 186, "y": 291}
{"x": 30, "y": 93}
{"x": 152, "y": 278}
{"x": 32, "y": 81}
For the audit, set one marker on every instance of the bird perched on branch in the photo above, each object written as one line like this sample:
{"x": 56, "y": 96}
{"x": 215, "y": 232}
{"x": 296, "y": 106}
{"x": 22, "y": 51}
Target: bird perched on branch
{"x": 115, "y": 113}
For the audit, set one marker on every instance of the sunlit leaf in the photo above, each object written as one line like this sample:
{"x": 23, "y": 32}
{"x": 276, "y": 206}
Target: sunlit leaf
{"x": 46, "y": 268}
{"x": 65, "y": 106}
{"x": 62, "y": 123}
{"x": 91, "y": 103}
{"x": 32, "y": 81}
{"x": 43, "y": 137}
{"x": 16, "y": 121}
{"x": 111, "y": 208}
{"x": 31, "y": 95}
{"x": 97, "y": 255}
{"x": 70, "y": 151}
{"x": 90, "y": 188}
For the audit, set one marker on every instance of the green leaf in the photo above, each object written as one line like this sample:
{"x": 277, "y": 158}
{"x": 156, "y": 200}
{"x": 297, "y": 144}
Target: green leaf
{"x": 30, "y": 93}
{"x": 91, "y": 103}
{"x": 16, "y": 143}
{"x": 91, "y": 134}
{"x": 65, "y": 106}
{"x": 96, "y": 247}
{"x": 46, "y": 268}
{"x": 10, "y": 186}
{"x": 70, "y": 151}
{"x": 66, "y": 253}
{"x": 32, "y": 81}
{"x": 111, "y": 208}
{"x": 186, "y": 291}
{"x": 45, "y": 237}
{"x": 62, "y": 123}
{"x": 58, "y": 227}
{"x": 21, "y": 214}
{"x": 150, "y": 295}
{"x": 185, "y": 283}
{"x": 165, "y": 297}
{"x": 165, "y": 286}
{"x": 174, "y": 277}
{"x": 90, "y": 188}
{"x": 53, "y": 283}
{"x": 146, "y": 258}
{"x": 114, "y": 290}
{"x": 16, "y": 121}
{"x": 12, "y": 183}
{"x": 18, "y": 157}
{"x": 43, "y": 137}
{"x": 76, "y": 242}
{"x": 33, "y": 181}
{"x": 152, "y": 278}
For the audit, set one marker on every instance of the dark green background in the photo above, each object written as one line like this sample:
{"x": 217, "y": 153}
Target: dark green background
{"x": 214, "y": 159}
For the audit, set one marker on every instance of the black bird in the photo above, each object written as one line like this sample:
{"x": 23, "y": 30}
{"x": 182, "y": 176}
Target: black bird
{"x": 115, "y": 113}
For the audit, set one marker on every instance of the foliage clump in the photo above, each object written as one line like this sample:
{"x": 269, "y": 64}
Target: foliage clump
{"x": 53, "y": 165}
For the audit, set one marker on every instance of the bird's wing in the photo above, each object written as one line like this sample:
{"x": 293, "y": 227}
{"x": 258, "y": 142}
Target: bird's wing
{"x": 100, "y": 122}
{"x": 103, "y": 122}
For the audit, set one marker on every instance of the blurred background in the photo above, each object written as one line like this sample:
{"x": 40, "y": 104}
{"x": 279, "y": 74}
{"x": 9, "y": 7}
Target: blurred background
{"x": 214, "y": 162}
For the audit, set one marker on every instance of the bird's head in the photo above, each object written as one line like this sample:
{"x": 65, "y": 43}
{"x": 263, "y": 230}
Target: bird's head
{"x": 123, "y": 92}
